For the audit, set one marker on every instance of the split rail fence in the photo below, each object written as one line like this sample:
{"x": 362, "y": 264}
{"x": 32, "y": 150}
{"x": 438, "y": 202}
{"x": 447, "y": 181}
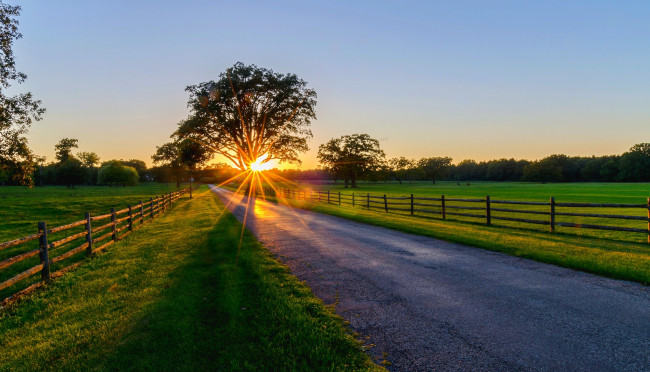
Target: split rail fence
{"x": 111, "y": 228}
{"x": 554, "y": 213}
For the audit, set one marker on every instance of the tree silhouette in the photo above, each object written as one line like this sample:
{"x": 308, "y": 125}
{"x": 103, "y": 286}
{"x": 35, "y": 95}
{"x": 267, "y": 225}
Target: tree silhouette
{"x": 350, "y": 157}
{"x": 434, "y": 167}
{"x": 16, "y": 112}
{"x": 250, "y": 112}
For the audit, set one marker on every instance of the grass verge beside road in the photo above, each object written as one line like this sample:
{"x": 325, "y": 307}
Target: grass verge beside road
{"x": 181, "y": 293}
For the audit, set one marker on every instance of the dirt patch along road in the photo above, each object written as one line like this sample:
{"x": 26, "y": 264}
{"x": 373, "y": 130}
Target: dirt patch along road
{"x": 434, "y": 305}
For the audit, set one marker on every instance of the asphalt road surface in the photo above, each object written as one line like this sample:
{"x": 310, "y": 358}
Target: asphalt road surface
{"x": 434, "y": 305}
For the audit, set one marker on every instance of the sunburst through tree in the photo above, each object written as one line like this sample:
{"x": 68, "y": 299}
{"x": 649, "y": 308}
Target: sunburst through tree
{"x": 251, "y": 116}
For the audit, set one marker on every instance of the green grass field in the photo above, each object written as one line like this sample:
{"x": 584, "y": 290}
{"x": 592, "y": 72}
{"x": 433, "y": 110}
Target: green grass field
{"x": 22, "y": 208}
{"x": 615, "y": 254}
{"x": 518, "y": 191}
{"x": 181, "y": 293}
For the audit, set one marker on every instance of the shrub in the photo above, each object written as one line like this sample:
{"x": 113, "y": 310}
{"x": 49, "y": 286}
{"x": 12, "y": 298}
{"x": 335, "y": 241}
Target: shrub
{"x": 115, "y": 173}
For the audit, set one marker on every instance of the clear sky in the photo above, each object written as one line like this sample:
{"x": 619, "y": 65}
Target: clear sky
{"x": 467, "y": 79}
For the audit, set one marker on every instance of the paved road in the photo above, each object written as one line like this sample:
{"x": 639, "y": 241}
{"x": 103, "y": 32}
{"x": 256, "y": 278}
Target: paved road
{"x": 434, "y": 305}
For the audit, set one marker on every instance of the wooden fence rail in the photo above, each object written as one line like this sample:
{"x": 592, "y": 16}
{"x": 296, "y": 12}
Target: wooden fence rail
{"x": 128, "y": 218}
{"x": 483, "y": 209}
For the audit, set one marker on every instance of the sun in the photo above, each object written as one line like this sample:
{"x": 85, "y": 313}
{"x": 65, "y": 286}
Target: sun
{"x": 260, "y": 164}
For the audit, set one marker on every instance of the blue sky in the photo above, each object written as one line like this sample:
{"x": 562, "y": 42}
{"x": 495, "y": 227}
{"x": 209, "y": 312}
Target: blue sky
{"x": 466, "y": 79}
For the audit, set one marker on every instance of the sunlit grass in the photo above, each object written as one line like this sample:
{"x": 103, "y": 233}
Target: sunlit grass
{"x": 173, "y": 296}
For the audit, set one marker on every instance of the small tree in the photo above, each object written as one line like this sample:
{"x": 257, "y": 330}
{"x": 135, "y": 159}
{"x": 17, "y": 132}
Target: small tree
{"x": 90, "y": 161}
{"x": 350, "y": 157}
{"x": 115, "y": 173}
{"x": 63, "y": 149}
{"x": 434, "y": 167}
{"x": 181, "y": 155}
{"x": 139, "y": 166}
{"x": 400, "y": 167}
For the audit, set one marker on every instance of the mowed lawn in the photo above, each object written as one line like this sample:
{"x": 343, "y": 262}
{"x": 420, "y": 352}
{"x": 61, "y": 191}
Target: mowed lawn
{"x": 621, "y": 255}
{"x": 189, "y": 292}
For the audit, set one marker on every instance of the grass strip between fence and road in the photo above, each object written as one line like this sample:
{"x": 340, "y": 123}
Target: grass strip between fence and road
{"x": 621, "y": 260}
{"x": 182, "y": 294}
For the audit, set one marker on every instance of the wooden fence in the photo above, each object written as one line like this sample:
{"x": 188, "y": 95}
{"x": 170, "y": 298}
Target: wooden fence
{"x": 486, "y": 209}
{"x": 127, "y": 219}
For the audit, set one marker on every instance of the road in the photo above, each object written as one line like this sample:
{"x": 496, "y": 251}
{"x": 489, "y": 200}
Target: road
{"x": 434, "y": 305}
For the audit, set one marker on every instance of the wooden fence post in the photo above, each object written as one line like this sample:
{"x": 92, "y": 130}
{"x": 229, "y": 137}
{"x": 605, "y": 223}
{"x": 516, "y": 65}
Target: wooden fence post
{"x": 89, "y": 234}
{"x": 130, "y": 220}
{"x": 353, "y": 200}
{"x": 141, "y": 213}
{"x": 648, "y": 220}
{"x": 442, "y": 205}
{"x": 368, "y": 201}
{"x": 151, "y": 207}
{"x": 44, "y": 251}
{"x": 328, "y": 196}
{"x": 411, "y": 204}
{"x": 552, "y": 222}
{"x": 385, "y": 203}
{"x": 114, "y": 235}
{"x": 339, "y": 198}
{"x": 488, "y": 216}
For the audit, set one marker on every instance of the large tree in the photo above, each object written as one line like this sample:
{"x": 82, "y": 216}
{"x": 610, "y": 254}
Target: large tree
{"x": 16, "y": 112}
{"x": 351, "y": 157}
{"x": 251, "y": 112}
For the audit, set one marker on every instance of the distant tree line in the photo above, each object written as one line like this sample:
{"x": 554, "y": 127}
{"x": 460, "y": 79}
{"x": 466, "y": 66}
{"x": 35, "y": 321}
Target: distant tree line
{"x": 358, "y": 156}
{"x": 86, "y": 168}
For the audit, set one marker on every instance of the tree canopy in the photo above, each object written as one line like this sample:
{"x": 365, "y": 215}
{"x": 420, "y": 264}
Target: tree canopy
{"x": 63, "y": 149}
{"x": 351, "y": 156}
{"x": 16, "y": 112}
{"x": 250, "y": 112}
{"x": 88, "y": 159}
{"x": 635, "y": 164}
{"x": 180, "y": 155}
{"x": 435, "y": 167}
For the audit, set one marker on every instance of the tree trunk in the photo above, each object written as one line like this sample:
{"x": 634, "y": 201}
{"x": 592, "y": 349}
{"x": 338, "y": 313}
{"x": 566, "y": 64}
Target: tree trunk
{"x": 434, "y": 181}
{"x": 347, "y": 182}
{"x": 354, "y": 181}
